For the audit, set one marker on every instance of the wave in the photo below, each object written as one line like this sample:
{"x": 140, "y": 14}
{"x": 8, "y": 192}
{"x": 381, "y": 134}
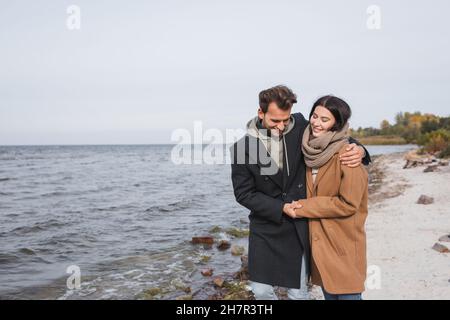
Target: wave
{"x": 37, "y": 227}
{"x": 22, "y": 255}
{"x": 27, "y": 251}
{"x": 7, "y": 258}
{"x": 177, "y": 205}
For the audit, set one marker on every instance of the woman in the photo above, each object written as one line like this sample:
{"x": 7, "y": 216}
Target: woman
{"x": 336, "y": 204}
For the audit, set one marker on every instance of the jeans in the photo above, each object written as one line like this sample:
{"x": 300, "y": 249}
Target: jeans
{"x": 263, "y": 291}
{"x": 352, "y": 296}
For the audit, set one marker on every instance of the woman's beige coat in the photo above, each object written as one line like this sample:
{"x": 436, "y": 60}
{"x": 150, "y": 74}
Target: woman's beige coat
{"x": 337, "y": 208}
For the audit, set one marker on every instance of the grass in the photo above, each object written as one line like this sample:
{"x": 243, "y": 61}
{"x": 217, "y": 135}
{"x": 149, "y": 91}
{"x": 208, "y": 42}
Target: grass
{"x": 381, "y": 140}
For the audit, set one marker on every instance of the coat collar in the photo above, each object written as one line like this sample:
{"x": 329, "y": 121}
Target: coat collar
{"x": 312, "y": 186}
{"x": 292, "y": 150}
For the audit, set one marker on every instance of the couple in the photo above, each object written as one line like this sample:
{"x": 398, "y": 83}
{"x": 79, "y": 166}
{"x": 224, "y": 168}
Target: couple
{"x": 307, "y": 216}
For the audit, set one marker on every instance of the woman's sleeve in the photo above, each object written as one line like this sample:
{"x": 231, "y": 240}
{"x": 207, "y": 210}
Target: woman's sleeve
{"x": 354, "y": 183}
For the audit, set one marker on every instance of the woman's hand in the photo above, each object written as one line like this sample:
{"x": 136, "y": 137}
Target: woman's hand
{"x": 289, "y": 209}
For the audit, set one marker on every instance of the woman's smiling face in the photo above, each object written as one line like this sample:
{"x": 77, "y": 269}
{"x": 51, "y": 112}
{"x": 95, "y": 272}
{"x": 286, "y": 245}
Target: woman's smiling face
{"x": 321, "y": 121}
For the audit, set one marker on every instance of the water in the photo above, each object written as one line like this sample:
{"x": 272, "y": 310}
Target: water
{"x": 379, "y": 150}
{"x": 123, "y": 214}
{"x": 107, "y": 209}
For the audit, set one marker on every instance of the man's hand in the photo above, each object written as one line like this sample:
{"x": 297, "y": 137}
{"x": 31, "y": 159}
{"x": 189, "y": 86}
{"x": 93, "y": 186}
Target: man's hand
{"x": 289, "y": 209}
{"x": 353, "y": 156}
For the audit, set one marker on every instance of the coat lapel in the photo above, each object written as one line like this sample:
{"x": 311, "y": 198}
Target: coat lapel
{"x": 264, "y": 168}
{"x": 322, "y": 171}
{"x": 309, "y": 181}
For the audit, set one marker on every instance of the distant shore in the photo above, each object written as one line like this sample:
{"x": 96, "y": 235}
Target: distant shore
{"x": 382, "y": 140}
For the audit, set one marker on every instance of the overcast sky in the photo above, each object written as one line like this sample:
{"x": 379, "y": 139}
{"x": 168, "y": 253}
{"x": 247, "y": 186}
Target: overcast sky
{"x": 137, "y": 70}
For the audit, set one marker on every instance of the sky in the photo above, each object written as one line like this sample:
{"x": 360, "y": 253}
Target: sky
{"x": 136, "y": 71}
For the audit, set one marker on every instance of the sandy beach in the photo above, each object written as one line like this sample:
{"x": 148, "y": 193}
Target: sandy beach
{"x": 401, "y": 233}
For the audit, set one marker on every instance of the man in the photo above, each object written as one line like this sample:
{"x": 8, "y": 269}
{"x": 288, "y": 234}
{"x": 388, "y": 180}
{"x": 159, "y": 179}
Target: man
{"x": 268, "y": 173}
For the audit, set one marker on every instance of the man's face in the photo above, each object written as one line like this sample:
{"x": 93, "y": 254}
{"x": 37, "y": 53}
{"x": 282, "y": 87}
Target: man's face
{"x": 275, "y": 119}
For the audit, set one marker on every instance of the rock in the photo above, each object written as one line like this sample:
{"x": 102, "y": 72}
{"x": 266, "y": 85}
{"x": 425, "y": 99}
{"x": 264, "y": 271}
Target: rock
{"x": 242, "y": 274}
{"x": 219, "y": 282}
{"x": 153, "y": 291}
{"x": 150, "y": 294}
{"x": 414, "y": 159}
{"x": 440, "y": 248}
{"x": 185, "y": 297}
{"x": 187, "y": 289}
{"x": 410, "y": 164}
{"x": 282, "y": 293}
{"x": 423, "y": 199}
{"x": 223, "y": 245}
{"x": 205, "y": 259}
{"x": 180, "y": 285}
{"x": 432, "y": 168}
{"x": 215, "y": 229}
{"x": 238, "y": 291}
{"x": 203, "y": 240}
{"x": 238, "y": 233}
{"x": 207, "y": 272}
{"x": 443, "y": 163}
{"x": 237, "y": 250}
{"x": 244, "y": 261}
{"x": 445, "y": 238}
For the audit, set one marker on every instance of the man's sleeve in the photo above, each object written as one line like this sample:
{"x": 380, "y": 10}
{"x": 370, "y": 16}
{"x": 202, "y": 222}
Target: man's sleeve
{"x": 262, "y": 205}
{"x": 366, "y": 160}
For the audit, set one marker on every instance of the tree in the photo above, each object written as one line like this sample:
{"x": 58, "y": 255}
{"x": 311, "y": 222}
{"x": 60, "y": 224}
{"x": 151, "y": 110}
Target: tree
{"x": 385, "y": 127}
{"x": 429, "y": 126}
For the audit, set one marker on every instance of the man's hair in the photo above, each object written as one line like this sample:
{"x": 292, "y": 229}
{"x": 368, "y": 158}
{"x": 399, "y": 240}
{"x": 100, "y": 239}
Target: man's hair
{"x": 281, "y": 95}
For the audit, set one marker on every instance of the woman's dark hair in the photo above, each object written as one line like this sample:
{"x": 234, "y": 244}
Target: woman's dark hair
{"x": 338, "y": 108}
{"x": 281, "y": 95}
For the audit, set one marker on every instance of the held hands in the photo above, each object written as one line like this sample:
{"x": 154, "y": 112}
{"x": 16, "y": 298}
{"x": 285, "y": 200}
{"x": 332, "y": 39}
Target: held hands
{"x": 353, "y": 156}
{"x": 289, "y": 209}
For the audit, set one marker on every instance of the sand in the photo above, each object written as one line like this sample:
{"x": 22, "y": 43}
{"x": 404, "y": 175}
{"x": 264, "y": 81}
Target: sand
{"x": 401, "y": 233}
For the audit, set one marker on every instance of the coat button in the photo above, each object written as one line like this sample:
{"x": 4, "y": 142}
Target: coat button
{"x": 300, "y": 186}
{"x": 266, "y": 178}
{"x": 315, "y": 238}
